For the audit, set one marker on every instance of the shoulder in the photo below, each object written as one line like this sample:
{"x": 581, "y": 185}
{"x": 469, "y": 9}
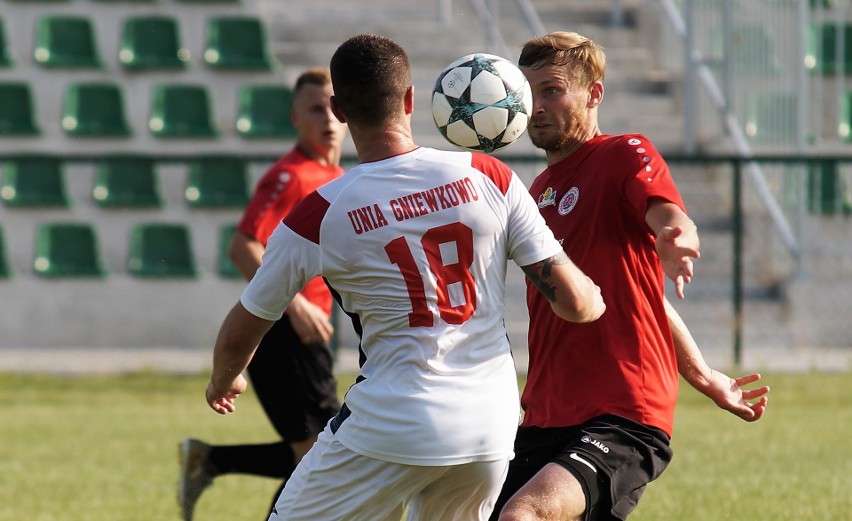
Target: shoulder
{"x": 494, "y": 169}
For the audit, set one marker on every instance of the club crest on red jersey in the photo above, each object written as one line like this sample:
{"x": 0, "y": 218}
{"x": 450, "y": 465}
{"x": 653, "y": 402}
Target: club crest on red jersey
{"x": 568, "y": 201}
{"x": 547, "y": 198}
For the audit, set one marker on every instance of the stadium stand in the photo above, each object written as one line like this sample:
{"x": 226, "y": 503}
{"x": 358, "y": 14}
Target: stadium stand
{"x": 5, "y": 271}
{"x": 152, "y": 42}
{"x": 237, "y": 43}
{"x": 161, "y": 250}
{"x": 126, "y": 181}
{"x": 5, "y": 60}
{"x": 17, "y": 110}
{"x": 95, "y": 110}
{"x": 66, "y": 41}
{"x": 67, "y": 250}
{"x": 34, "y": 181}
{"x": 226, "y": 266}
{"x": 264, "y": 112}
{"x": 217, "y": 182}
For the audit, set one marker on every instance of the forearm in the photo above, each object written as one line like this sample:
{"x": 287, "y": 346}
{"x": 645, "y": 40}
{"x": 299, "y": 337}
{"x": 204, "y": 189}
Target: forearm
{"x": 246, "y": 254}
{"x": 572, "y": 295}
{"x": 236, "y": 342}
{"x": 690, "y": 362}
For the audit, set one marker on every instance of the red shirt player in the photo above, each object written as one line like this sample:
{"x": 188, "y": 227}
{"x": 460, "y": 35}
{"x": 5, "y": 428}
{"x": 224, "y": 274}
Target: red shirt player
{"x": 599, "y": 399}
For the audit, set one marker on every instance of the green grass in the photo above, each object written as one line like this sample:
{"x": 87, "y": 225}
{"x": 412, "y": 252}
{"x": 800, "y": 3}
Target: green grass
{"x": 105, "y": 447}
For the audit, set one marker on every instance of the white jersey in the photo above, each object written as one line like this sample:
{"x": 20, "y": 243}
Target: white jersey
{"x": 415, "y": 249}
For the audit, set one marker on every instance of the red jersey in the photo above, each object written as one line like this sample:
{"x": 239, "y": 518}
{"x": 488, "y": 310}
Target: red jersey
{"x": 624, "y": 363}
{"x": 288, "y": 180}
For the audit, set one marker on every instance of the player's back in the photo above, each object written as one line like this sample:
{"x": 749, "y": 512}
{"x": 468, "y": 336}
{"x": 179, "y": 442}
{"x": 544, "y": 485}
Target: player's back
{"x": 415, "y": 247}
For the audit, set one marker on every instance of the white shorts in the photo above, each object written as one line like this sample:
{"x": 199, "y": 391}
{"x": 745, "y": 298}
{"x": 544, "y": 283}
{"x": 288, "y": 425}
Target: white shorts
{"x": 332, "y": 483}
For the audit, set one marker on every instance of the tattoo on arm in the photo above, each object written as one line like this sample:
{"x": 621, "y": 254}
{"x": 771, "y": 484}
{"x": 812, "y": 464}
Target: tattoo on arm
{"x": 541, "y": 272}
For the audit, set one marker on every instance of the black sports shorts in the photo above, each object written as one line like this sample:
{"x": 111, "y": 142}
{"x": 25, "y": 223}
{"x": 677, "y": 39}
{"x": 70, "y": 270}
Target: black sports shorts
{"x": 294, "y": 382}
{"x": 612, "y": 457}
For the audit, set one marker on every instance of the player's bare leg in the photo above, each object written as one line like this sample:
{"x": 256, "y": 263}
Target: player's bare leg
{"x": 553, "y": 494}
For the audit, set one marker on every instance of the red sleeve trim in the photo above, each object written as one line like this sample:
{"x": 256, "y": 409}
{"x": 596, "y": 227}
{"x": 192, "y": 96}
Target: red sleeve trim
{"x": 494, "y": 169}
{"x": 306, "y": 218}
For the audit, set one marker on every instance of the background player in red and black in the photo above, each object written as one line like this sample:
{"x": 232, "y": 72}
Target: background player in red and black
{"x": 292, "y": 371}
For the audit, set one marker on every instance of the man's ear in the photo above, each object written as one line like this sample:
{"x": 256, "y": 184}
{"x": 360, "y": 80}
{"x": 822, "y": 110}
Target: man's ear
{"x": 596, "y": 94}
{"x": 336, "y": 110}
{"x": 409, "y": 100}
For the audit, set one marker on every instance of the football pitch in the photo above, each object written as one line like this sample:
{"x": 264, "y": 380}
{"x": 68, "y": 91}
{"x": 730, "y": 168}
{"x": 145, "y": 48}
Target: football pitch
{"x": 105, "y": 448}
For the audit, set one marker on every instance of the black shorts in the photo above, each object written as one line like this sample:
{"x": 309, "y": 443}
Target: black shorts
{"x": 612, "y": 457}
{"x": 294, "y": 382}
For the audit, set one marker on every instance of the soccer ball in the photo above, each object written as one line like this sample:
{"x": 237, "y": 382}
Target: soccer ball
{"x": 481, "y": 102}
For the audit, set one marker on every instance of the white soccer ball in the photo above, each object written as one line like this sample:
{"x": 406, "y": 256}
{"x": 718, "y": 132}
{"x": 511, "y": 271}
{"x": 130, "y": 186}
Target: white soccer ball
{"x": 481, "y": 102}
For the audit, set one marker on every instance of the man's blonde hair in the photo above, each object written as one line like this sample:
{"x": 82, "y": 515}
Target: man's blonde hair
{"x": 586, "y": 59}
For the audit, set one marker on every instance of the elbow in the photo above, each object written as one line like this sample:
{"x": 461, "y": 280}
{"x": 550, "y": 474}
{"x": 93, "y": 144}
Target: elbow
{"x": 583, "y": 310}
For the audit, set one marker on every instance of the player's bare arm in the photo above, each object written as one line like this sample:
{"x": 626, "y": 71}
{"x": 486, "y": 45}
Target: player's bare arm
{"x": 676, "y": 241}
{"x": 236, "y": 342}
{"x": 726, "y": 392}
{"x": 572, "y": 295}
{"x": 309, "y": 321}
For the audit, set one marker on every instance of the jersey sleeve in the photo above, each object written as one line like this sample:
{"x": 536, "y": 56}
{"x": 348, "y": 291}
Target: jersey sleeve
{"x": 530, "y": 240}
{"x": 276, "y": 194}
{"x": 647, "y": 176}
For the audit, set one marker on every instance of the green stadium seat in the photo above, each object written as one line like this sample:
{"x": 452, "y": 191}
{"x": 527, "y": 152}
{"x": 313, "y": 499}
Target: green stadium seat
{"x": 66, "y": 41}
{"x": 17, "y": 110}
{"x": 822, "y": 55}
{"x": 181, "y": 111}
{"x": 771, "y": 118}
{"x": 827, "y": 190}
{"x": 151, "y": 42}
{"x": 67, "y": 250}
{"x": 236, "y": 43}
{"x": 5, "y": 268}
{"x": 263, "y": 111}
{"x": 34, "y": 181}
{"x": 161, "y": 250}
{"x": 844, "y": 126}
{"x": 201, "y": 2}
{"x": 94, "y": 110}
{"x": 226, "y": 267}
{"x": 217, "y": 182}
{"x": 126, "y": 182}
{"x": 5, "y": 59}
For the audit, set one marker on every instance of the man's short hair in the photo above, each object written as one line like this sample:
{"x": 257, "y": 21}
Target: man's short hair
{"x": 584, "y": 57}
{"x": 318, "y": 76}
{"x": 370, "y": 75}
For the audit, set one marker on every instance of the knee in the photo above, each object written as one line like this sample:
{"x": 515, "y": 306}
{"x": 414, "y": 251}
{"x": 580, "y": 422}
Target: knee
{"x": 519, "y": 512}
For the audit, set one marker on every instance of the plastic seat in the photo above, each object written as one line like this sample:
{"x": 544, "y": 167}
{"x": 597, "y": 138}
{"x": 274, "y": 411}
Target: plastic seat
{"x": 217, "y": 182}
{"x": 34, "y": 181}
{"x": 771, "y": 118}
{"x": 151, "y": 42}
{"x": 264, "y": 112}
{"x": 5, "y": 269}
{"x": 821, "y": 55}
{"x": 5, "y": 59}
{"x": 94, "y": 110}
{"x": 159, "y": 250}
{"x": 17, "y": 110}
{"x": 126, "y": 182}
{"x": 181, "y": 111}
{"x": 827, "y": 190}
{"x": 236, "y": 43}
{"x": 66, "y": 41}
{"x": 225, "y": 265}
{"x": 67, "y": 250}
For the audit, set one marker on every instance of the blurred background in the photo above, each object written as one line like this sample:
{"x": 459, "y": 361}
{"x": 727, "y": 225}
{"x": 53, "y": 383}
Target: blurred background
{"x": 132, "y": 133}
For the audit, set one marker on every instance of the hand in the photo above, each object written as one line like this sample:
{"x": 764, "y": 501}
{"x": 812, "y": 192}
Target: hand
{"x": 728, "y": 393}
{"x": 309, "y": 322}
{"x": 223, "y": 402}
{"x": 675, "y": 258}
